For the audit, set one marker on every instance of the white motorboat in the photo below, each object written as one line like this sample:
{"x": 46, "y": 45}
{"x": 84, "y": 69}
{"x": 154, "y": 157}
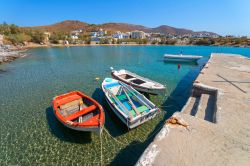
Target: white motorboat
{"x": 181, "y": 58}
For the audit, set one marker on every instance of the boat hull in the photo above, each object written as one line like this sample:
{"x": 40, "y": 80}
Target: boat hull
{"x": 181, "y": 58}
{"x": 152, "y": 91}
{"x": 96, "y": 129}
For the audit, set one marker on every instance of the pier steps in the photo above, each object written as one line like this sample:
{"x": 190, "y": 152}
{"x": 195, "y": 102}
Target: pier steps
{"x": 206, "y": 109}
{"x": 202, "y": 107}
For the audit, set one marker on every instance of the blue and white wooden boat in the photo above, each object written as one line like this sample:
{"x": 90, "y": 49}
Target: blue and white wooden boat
{"x": 132, "y": 108}
{"x": 181, "y": 58}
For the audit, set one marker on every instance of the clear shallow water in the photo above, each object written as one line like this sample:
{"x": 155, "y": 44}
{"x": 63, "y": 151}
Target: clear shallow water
{"x": 29, "y": 132}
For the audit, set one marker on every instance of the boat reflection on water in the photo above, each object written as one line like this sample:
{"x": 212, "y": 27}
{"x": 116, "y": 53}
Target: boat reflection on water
{"x": 186, "y": 63}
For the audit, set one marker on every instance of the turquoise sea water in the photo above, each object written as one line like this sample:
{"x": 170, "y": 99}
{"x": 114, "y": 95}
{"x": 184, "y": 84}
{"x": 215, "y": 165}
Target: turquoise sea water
{"x": 29, "y": 132}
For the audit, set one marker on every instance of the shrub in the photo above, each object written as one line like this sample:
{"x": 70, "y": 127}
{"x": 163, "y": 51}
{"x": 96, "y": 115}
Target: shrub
{"x": 37, "y": 37}
{"x": 171, "y": 41}
{"x": 18, "y": 38}
{"x": 204, "y": 42}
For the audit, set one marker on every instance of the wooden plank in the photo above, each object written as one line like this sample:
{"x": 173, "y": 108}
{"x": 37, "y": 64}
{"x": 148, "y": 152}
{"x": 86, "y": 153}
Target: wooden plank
{"x": 131, "y": 102}
{"x": 81, "y": 112}
{"x": 117, "y": 100}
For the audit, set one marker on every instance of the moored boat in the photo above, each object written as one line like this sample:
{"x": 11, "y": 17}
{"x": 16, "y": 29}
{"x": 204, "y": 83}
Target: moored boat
{"x": 132, "y": 108}
{"x": 181, "y": 58}
{"x": 138, "y": 82}
{"x": 78, "y": 111}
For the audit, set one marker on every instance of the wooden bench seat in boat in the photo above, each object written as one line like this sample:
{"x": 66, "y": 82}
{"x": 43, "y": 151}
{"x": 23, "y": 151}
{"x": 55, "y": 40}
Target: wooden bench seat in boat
{"x": 126, "y": 76}
{"x": 93, "y": 121}
{"x": 141, "y": 109}
{"x": 71, "y": 107}
{"x": 68, "y": 99}
{"x": 71, "y": 104}
{"x": 131, "y": 79}
{"x": 123, "y": 97}
{"x": 80, "y": 113}
{"x": 69, "y": 110}
{"x": 112, "y": 85}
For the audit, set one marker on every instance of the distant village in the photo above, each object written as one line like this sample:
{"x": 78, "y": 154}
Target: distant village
{"x": 12, "y": 35}
{"x": 102, "y": 36}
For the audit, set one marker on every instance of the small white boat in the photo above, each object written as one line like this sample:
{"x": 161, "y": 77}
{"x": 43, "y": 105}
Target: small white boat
{"x": 181, "y": 58}
{"x": 132, "y": 108}
{"x": 138, "y": 82}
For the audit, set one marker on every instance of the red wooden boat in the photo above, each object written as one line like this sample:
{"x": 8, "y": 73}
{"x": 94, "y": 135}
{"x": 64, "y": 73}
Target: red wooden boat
{"x": 78, "y": 111}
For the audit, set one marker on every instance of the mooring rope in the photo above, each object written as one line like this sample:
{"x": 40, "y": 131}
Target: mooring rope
{"x": 101, "y": 148}
{"x": 113, "y": 137}
{"x": 126, "y": 143}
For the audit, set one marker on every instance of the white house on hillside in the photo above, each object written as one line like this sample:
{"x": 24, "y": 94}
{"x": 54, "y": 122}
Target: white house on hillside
{"x": 120, "y": 35}
{"x": 74, "y": 37}
{"x": 98, "y": 33}
{"x": 138, "y": 35}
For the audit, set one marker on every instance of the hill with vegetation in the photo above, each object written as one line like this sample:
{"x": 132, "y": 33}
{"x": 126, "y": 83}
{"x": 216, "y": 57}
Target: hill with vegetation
{"x": 70, "y": 25}
{"x": 62, "y": 31}
{"x": 64, "y": 26}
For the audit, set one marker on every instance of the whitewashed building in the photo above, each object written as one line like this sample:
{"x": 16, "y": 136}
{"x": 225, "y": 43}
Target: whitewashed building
{"x": 77, "y": 32}
{"x": 138, "y": 35}
{"x": 46, "y": 37}
{"x": 74, "y": 37}
{"x": 98, "y": 33}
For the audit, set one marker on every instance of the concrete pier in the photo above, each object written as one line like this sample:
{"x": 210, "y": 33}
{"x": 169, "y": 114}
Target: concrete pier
{"x": 213, "y": 127}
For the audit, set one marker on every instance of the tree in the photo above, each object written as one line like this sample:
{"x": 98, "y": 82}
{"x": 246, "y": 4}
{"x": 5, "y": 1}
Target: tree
{"x": 56, "y": 36}
{"x": 171, "y": 41}
{"x": 19, "y": 38}
{"x": 204, "y": 42}
{"x": 104, "y": 41}
{"x": 14, "y": 29}
{"x": 154, "y": 42}
{"x": 37, "y": 37}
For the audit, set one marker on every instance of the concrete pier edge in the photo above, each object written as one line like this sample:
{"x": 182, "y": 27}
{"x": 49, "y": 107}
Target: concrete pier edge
{"x": 223, "y": 84}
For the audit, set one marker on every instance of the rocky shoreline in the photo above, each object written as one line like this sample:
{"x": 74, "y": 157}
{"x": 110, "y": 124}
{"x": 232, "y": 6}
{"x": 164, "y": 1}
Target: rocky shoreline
{"x": 9, "y": 53}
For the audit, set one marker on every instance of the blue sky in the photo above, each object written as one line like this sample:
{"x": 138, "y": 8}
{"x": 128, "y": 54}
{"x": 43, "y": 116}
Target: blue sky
{"x": 220, "y": 16}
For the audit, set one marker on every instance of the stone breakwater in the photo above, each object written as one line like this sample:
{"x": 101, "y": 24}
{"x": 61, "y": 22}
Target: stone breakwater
{"x": 8, "y": 54}
{"x": 213, "y": 127}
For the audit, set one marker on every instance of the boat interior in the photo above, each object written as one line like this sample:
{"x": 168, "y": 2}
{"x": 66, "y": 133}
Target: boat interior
{"x": 78, "y": 110}
{"x": 133, "y": 79}
{"x": 125, "y": 97}
{"x": 126, "y": 76}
